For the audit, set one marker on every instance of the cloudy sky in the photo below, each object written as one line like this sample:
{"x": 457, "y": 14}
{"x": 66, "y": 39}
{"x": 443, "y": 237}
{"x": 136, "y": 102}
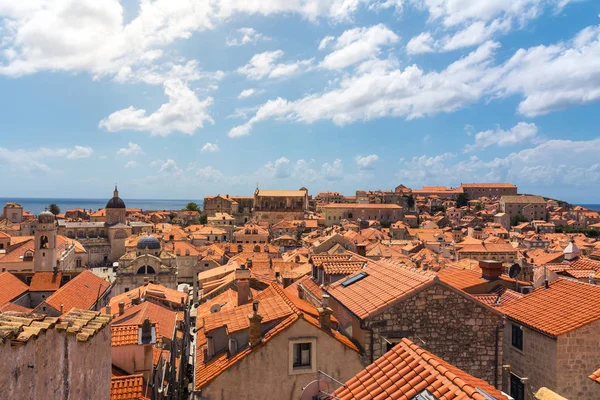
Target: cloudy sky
{"x": 182, "y": 99}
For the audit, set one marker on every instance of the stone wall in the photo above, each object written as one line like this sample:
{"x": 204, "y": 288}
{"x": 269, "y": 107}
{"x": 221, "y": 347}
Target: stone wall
{"x": 57, "y": 366}
{"x": 452, "y": 326}
{"x": 264, "y": 373}
{"x": 578, "y": 355}
{"x": 537, "y": 360}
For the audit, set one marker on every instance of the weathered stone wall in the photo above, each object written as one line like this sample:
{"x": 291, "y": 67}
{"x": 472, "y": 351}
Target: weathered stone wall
{"x": 452, "y": 326}
{"x": 537, "y": 360}
{"x": 57, "y": 366}
{"x": 578, "y": 355}
{"x": 264, "y": 374}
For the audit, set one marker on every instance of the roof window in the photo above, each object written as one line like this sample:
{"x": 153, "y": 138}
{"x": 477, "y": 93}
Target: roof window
{"x": 354, "y": 279}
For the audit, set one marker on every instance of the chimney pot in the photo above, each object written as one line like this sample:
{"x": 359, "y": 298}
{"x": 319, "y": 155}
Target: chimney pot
{"x": 490, "y": 270}
{"x": 108, "y": 309}
{"x": 242, "y": 282}
{"x": 255, "y": 325}
{"x": 121, "y": 308}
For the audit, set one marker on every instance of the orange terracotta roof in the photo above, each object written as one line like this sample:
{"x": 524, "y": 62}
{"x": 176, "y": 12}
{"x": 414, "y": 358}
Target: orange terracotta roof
{"x": 498, "y": 299}
{"x": 153, "y": 290}
{"x": 595, "y": 376}
{"x": 123, "y": 335}
{"x": 209, "y": 370}
{"x": 45, "y": 282}
{"x": 128, "y": 387}
{"x": 407, "y": 370}
{"x": 10, "y": 287}
{"x": 14, "y": 307}
{"x": 342, "y": 267}
{"x": 382, "y": 285}
{"x": 565, "y": 306}
{"x": 164, "y": 318}
{"x": 488, "y": 185}
{"x": 80, "y": 292}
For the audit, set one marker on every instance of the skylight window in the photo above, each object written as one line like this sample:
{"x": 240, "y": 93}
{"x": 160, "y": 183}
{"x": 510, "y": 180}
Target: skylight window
{"x": 354, "y": 279}
{"x": 424, "y": 395}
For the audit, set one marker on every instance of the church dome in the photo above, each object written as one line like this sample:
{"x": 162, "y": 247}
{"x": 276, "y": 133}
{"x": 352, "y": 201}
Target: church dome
{"x": 148, "y": 242}
{"x": 46, "y": 217}
{"x": 116, "y": 201}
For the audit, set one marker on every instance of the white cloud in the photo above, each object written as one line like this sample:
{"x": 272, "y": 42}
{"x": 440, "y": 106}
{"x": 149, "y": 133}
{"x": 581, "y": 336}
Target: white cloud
{"x": 245, "y": 36}
{"x": 358, "y": 44}
{"x": 379, "y": 89}
{"x": 472, "y": 22}
{"x": 325, "y": 42}
{"x": 210, "y": 147}
{"x": 132, "y": 149}
{"x": 130, "y": 164}
{"x": 169, "y": 167}
{"x": 29, "y": 161}
{"x": 80, "y": 152}
{"x": 264, "y": 65}
{"x": 183, "y": 113}
{"x": 333, "y": 172}
{"x": 571, "y": 74}
{"x": 209, "y": 174}
{"x": 279, "y": 169}
{"x": 366, "y": 162}
{"x": 554, "y": 164}
{"x": 422, "y": 43}
{"x": 249, "y": 92}
{"x": 40, "y": 36}
{"x": 521, "y": 133}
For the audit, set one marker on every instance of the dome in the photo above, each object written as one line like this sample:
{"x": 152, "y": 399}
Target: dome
{"x": 46, "y": 217}
{"x": 148, "y": 242}
{"x": 477, "y": 228}
{"x": 116, "y": 201}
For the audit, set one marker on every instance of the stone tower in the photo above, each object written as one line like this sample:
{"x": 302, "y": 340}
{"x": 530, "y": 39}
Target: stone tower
{"x": 44, "y": 258}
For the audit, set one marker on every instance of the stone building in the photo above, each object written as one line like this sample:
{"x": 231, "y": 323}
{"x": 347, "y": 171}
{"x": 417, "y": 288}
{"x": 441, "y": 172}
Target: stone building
{"x": 64, "y": 358}
{"x": 333, "y": 214}
{"x": 478, "y": 190}
{"x": 276, "y": 205}
{"x": 251, "y": 234}
{"x": 270, "y": 348}
{"x": 487, "y": 251}
{"x": 385, "y": 302}
{"x": 105, "y": 241}
{"x": 530, "y": 207}
{"x": 551, "y": 340}
{"x": 148, "y": 263}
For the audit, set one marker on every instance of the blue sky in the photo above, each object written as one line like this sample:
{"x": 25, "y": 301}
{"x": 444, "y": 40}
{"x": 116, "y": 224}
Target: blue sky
{"x": 192, "y": 98}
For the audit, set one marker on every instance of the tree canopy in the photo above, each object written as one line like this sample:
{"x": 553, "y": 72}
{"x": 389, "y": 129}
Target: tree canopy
{"x": 54, "y": 209}
{"x": 191, "y": 206}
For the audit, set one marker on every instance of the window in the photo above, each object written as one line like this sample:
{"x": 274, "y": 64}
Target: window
{"x": 517, "y": 337}
{"x": 302, "y": 355}
{"x": 517, "y": 388}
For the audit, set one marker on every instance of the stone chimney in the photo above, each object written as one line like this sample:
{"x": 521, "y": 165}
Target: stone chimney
{"x": 325, "y": 313}
{"x": 242, "y": 282}
{"x": 108, "y": 309}
{"x": 121, "y": 308}
{"x": 255, "y": 325}
{"x": 146, "y": 281}
{"x": 491, "y": 270}
{"x": 361, "y": 249}
{"x": 147, "y": 336}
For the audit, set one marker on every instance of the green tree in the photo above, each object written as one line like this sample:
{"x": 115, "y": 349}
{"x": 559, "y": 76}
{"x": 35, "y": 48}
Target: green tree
{"x": 54, "y": 209}
{"x": 517, "y": 219}
{"x": 479, "y": 207}
{"x": 462, "y": 200}
{"x": 191, "y": 206}
{"x": 203, "y": 219}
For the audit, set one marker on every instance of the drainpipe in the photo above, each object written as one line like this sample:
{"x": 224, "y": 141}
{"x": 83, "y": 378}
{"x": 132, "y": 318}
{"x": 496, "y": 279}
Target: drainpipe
{"x": 365, "y": 327}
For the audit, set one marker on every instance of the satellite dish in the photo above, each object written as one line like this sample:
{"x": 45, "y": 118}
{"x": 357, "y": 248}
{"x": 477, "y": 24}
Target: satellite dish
{"x": 514, "y": 271}
{"x": 215, "y": 308}
{"x": 313, "y": 389}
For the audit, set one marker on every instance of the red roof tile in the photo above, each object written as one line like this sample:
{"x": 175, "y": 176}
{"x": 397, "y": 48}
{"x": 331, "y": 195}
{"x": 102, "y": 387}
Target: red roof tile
{"x": 123, "y": 335}
{"x": 45, "y": 282}
{"x": 128, "y": 387}
{"x": 565, "y": 306}
{"x": 10, "y": 287}
{"x": 81, "y": 292}
{"x": 407, "y": 370}
{"x": 164, "y": 318}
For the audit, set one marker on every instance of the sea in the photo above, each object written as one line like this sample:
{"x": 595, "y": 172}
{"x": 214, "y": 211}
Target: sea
{"x": 37, "y": 205}
{"x": 595, "y": 207}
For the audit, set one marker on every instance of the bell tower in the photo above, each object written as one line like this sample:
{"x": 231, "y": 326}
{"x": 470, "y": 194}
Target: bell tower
{"x": 44, "y": 258}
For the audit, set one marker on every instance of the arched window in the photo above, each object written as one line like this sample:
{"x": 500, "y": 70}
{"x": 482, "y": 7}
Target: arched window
{"x": 146, "y": 269}
{"x": 44, "y": 242}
